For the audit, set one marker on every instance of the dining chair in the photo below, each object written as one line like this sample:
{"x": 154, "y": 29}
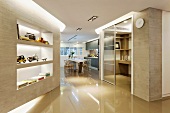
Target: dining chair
{"x": 68, "y": 67}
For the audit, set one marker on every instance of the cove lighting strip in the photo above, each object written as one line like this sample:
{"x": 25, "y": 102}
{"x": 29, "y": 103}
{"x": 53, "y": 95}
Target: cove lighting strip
{"x": 27, "y": 106}
{"x": 28, "y": 29}
{"x": 129, "y": 15}
{"x": 93, "y": 39}
{"x": 42, "y": 13}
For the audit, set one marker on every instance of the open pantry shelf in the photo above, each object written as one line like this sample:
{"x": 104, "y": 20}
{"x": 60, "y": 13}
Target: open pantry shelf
{"x": 122, "y": 37}
{"x": 124, "y": 62}
{"x": 33, "y": 43}
{"x": 19, "y": 66}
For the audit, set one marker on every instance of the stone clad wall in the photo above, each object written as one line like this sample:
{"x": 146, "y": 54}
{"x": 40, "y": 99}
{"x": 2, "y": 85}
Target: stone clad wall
{"x": 148, "y": 55}
{"x": 10, "y": 97}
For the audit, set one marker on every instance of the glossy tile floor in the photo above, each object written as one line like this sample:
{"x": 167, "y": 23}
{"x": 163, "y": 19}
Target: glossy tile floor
{"x": 87, "y": 94}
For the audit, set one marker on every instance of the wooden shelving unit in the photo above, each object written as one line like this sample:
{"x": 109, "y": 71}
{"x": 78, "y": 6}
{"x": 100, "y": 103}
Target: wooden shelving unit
{"x": 123, "y": 37}
{"x": 124, "y": 62}
{"x": 124, "y": 54}
{"x": 123, "y": 49}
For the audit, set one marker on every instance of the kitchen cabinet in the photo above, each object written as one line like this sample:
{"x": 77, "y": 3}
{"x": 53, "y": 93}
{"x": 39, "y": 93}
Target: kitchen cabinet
{"x": 92, "y": 45}
{"x": 94, "y": 61}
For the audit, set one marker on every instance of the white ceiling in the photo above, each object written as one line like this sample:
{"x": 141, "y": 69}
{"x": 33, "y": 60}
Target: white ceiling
{"x": 75, "y": 13}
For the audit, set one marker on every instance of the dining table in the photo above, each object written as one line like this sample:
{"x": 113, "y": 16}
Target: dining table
{"x": 78, "y": 63}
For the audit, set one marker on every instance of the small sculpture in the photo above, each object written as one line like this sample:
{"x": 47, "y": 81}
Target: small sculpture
{"x": 21, "y": 59}
{"x": 34, "y": 57}
{"x": 24, "y": 38}
{"x": 40, "y": 39}
{"x": 30, "y": 36}
{"x": 44, "y": 59}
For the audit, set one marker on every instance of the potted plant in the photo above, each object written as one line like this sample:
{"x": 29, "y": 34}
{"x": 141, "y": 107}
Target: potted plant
{"x": 71, "y": 54}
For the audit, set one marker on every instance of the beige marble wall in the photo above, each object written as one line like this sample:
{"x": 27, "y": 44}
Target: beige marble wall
{"x": 10, "y": 98}
{"x": 148, "y": 55}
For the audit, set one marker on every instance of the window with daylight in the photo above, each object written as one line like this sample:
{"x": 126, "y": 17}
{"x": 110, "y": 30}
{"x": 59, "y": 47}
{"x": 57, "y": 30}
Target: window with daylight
{"x": 67, "y": 50}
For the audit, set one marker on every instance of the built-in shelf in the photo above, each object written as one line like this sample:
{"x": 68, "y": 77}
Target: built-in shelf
{"x": 33, "y": 43}
{"x": 18, "y": 88}
{"x": 123, "y": 49}
{"x": 108, "y": 64}
{"x": 124, "y": 62}
{"x": 122, "y": 37}
{"x": 109, "y": 46}
{"x": 24, "y": 65}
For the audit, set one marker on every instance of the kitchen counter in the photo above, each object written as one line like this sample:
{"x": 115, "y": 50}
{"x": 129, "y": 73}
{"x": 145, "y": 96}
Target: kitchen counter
{"x": 94, "y": 61}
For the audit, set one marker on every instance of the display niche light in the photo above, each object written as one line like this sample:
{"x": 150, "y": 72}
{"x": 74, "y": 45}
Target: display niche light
{"x": 125, "y": 21}
{"x": 30, "y": 5}
{"x": 24, "y": 28}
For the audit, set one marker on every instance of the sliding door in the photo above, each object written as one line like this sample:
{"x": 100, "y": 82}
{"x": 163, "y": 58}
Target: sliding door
{"x": 109, "y": 55}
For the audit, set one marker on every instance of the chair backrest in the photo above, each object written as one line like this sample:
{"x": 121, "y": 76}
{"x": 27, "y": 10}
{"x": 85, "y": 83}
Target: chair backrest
{"x": 67, "y": 62}
{"x": 87, "y": 64}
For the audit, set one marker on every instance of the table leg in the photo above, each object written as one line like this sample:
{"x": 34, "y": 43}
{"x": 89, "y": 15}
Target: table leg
{"x": 80, "y": 67}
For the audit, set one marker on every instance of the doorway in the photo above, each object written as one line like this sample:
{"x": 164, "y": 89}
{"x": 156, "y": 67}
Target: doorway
{"x": 118, "y": 54}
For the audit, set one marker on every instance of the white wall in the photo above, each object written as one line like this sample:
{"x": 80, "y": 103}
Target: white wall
{"x": 166, "y": 54}
{"x": 64, "y": 57}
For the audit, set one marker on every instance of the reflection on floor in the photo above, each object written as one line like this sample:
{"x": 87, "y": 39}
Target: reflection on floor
{"x": 85, "y": 94}
{"x": 121, "y": 80}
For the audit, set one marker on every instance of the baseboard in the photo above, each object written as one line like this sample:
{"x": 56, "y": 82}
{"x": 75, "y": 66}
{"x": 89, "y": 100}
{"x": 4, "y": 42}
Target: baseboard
{"x": 166, "y": 96}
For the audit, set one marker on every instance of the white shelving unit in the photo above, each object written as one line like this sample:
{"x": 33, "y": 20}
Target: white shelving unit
{"x": 29, "y": 71}
{"x": 19, "y": 66}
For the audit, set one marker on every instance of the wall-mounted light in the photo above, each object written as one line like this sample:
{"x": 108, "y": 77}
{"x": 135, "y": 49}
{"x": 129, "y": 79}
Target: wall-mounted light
{"x": 92, "y": 18}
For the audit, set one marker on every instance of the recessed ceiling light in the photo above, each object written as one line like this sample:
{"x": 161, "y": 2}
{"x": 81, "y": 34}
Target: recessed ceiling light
{"x": 125, "y": 22}
{"x": 93, "y": 18}
{"x": 79, "y": 29}
{"x": 77, "y": 42}
{"x": 61, "y": 41}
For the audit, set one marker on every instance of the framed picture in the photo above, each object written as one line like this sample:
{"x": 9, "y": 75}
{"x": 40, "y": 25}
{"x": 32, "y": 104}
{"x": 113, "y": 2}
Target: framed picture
{"x": 117, "y": 45}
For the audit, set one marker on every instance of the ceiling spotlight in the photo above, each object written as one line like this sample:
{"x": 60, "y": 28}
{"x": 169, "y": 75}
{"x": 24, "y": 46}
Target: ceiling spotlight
{"x": 77, "y": 42}
{"x": 79, "y": 29}
{"x": 125, "y": 22}
{"x": 93, "y": 18}
{"x": 61, "y": 41}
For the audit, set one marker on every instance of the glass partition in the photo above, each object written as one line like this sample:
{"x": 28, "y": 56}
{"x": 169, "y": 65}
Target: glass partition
{"x": 109, "y": 55}
{"x": 117, "y": 53}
